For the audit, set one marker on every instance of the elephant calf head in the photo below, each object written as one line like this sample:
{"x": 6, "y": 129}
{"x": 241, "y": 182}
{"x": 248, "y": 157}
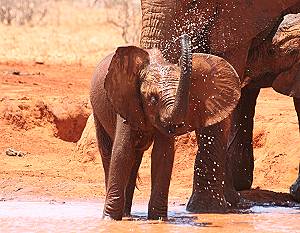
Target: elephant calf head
{"x": 147, "y": 91}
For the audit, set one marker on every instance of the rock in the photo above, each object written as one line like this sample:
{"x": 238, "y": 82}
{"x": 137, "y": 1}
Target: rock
{"x": 12, "y": 152}
{"x": 69, "y": 117}
{"x": 87, "y": 147}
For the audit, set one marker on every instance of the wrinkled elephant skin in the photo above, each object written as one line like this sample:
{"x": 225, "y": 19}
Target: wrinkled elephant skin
{"x": 138, "y": 98}
{"x": 273, "y": 63}
{"x": 227, "y": 29}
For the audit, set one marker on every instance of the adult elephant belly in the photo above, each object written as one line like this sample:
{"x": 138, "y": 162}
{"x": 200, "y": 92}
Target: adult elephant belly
{"x": 225, "y": 28}
{"x": 277, "y": 58}
{"x": 238, "y": 22}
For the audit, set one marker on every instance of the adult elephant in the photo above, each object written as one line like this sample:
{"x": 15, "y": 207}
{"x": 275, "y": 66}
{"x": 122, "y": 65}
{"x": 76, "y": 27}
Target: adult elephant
{"x": 272, "y": 63}
{"x": 225, "y": 28}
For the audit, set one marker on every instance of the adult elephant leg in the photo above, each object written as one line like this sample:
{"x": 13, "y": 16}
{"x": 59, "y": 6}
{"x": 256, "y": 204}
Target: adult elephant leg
{"x": 209, "y": 171}
{"x": 122, "y": 161}
{"x": 162, "y": 159}
{"x": 240, "y": 145}
{"x": 105, "y": 147}
{"x": 132, "y": 183}
{"x": 231, "y": 195}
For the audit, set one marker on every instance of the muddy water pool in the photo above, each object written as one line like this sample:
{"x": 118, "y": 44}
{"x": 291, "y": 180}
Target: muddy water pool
{"x": 28, "y": 217}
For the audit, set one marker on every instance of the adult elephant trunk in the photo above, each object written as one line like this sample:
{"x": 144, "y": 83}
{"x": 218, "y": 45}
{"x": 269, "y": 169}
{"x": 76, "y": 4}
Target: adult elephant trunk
{"x": 176, "y": 112}
{"x": 163, "y": 21}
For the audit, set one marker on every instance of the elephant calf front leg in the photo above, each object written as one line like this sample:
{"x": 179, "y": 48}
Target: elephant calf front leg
{"x": 161, "y": 170}
{"x": 132, "y": 183}
{"x": 122, "y": 160}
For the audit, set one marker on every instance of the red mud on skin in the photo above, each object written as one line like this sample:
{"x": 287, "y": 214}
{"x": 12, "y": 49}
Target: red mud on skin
{"x": 86, "y": 217}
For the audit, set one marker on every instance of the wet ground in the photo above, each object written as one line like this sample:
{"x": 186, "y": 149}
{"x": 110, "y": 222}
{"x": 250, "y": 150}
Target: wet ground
{"x": 16, "y": 216}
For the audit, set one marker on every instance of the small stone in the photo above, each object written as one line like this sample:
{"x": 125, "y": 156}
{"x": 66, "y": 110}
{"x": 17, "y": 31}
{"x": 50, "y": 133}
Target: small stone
{"x": 12, "y": 152}
{"x": 16, "y": 72}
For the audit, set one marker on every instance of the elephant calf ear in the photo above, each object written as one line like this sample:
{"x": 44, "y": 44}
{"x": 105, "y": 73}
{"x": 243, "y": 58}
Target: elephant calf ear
{"x": 122, "y": 83}
{"x": 215, "y": 89}
{"x": 288, "y": 82}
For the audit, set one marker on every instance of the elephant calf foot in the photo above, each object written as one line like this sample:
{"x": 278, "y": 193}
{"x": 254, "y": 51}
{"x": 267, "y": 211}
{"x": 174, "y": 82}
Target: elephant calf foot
{"x": 158, "y": 210}
{"x": 295, "y": 190}
{"x": 207, "y": 202}
{"x": 127, "y": 214}
{"x": 109, "y": 217}
{"x": 154, "y": 215}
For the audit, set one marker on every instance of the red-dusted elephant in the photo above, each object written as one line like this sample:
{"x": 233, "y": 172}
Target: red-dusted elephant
{"x": 138, "y": 98}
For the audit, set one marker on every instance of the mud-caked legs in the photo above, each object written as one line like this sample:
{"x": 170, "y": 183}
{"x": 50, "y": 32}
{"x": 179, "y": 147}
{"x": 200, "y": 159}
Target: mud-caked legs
{"x": 162, "y": 159}
{"x": 132, "y": 183}
{"x": 121, "y": 163}
{"x": 105, "y": 147}
{"x": 209, "y": 171}
{"x": 240, "y": 140}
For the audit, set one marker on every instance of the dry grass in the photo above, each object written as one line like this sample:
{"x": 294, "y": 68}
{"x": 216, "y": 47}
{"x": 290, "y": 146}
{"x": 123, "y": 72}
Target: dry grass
{"x": 70, "y": 33}
{"x": 23, "y": 12}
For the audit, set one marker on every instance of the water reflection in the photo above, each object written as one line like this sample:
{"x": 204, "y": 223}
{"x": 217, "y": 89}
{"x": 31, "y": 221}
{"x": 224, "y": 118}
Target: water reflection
{"x": 86, "y": 217}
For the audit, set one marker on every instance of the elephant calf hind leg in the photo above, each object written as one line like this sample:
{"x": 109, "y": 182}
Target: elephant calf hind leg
{"x": 105, "y": 147}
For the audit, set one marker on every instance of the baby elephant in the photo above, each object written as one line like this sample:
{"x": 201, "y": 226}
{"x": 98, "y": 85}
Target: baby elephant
{"x": 139, "y": 98}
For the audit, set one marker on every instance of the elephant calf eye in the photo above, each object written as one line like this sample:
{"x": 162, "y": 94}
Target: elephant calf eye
{"x": 154, "y": 100}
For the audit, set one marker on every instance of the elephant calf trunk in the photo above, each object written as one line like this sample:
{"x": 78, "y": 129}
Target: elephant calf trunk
{"x": 178, "y": 111}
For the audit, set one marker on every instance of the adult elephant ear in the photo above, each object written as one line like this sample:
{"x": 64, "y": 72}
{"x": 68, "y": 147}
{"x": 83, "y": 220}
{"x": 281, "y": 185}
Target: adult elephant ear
{"x": 215, "y": 89}
{"x": 288, "y": 82}
{"x": 122, "y": 83}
